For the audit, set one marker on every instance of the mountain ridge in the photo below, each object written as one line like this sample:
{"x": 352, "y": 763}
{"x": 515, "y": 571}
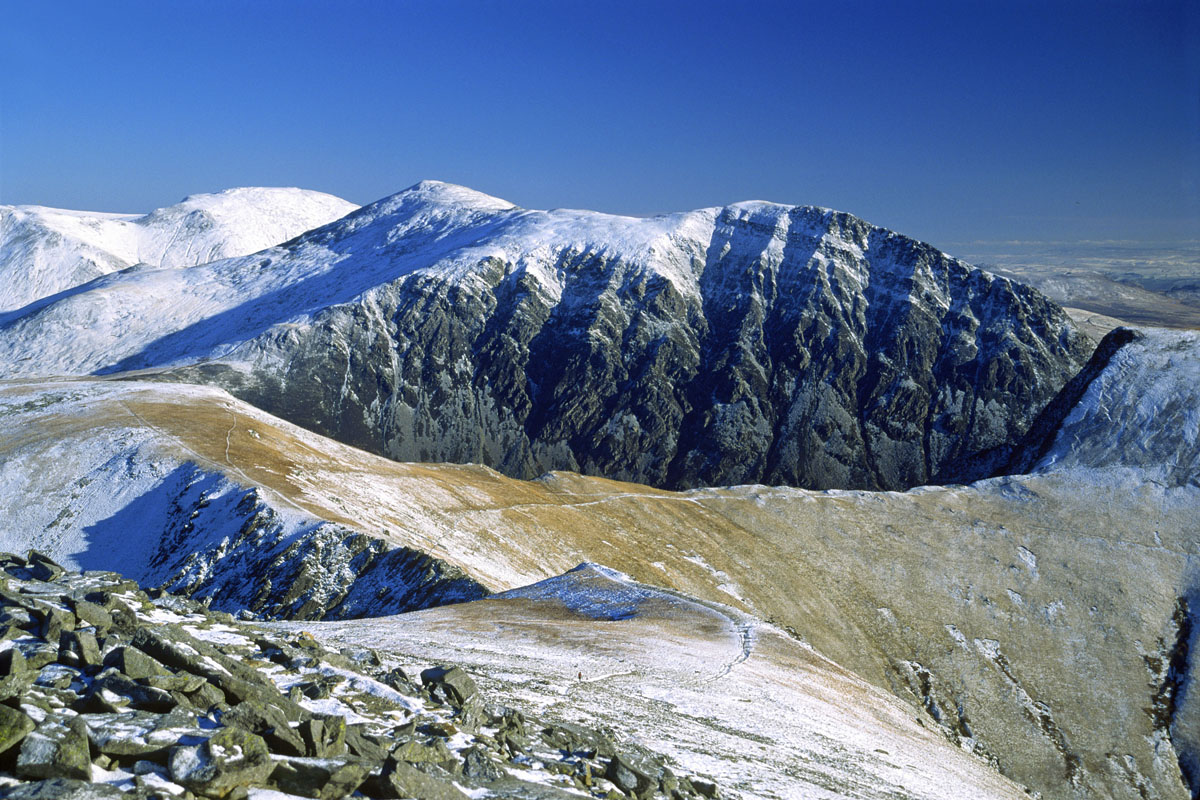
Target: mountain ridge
{"x": 45, "y": 251}
{"x": 752, "y": 342}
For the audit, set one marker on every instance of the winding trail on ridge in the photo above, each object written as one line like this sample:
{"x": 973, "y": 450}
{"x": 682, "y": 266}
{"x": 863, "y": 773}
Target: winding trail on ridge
{"x": 710, "y": 686}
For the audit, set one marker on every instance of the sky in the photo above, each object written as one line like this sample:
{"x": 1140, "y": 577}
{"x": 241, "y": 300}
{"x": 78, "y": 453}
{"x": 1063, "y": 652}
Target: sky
{"x": 961, "y": 121}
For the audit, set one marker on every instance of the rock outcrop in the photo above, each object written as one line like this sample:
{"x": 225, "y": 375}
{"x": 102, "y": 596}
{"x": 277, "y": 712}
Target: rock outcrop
{"x": 110, "y": 692}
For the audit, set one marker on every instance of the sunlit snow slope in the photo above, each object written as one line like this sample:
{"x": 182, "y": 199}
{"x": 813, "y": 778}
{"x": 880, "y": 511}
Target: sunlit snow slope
{"x": 44, "y": 251}
{"x": 1143, "y": 408}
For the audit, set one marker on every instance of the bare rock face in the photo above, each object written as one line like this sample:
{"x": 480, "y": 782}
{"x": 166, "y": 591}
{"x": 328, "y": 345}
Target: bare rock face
{"x": 749, "y": 344}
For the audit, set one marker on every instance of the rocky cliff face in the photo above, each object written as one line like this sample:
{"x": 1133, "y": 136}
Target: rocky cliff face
{"x": 752, "y": 343}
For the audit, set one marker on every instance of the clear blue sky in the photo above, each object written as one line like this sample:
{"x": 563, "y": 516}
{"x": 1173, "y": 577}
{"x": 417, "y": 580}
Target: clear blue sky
{"x": 949, "y": 121}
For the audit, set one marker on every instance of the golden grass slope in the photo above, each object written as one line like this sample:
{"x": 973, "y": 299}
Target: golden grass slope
{"x": 1034, "y": 617}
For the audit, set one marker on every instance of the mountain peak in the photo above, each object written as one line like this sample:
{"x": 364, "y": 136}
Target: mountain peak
{"x": 258, "y": 195}
{"x": 442, "y": 193}
{"x": 44, "y": 251}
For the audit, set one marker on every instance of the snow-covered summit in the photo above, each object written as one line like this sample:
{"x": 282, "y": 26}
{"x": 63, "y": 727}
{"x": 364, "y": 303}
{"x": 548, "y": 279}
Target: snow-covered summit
{"x": 751, "y": 342}
{"x": 445, "y": 194}
{"x": 44, "y": 251}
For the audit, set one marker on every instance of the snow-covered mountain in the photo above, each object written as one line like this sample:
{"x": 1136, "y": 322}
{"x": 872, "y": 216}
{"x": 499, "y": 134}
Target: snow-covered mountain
{"x": 754, "y": 342}
{"x": 44, "y": 251}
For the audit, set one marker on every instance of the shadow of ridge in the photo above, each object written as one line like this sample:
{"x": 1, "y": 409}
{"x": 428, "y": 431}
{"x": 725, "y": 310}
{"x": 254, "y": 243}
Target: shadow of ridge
{"x": 141, "y": 537}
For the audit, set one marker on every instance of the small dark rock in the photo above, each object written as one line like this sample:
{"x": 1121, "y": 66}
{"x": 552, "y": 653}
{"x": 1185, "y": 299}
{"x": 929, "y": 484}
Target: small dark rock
{"x": 56, "y": 676}
{"x": 134, "y": 663}
{"x": 269, "y": 723}
{"x": 324, "y": 735}
{"x": 82, "y": 645}
{"x": 361, "y": 656}
{"x": 440, "y": 729}
{"x": 9, "y": 561}
{"x": 55, "y": 621}
{"x": 40, "y": 656}
{"x": 479, "y": 767}
{"x": 455, "y": 685}
{"x": 325, "y": 778}
{"x": 94, "y": 615}
{"x": 64, "y": 789}
{"x": 320, "y": 688}
{"x": 12, "y": 662}
{"x": 404, "y": 780}
{"x": 398, "y": 679}
{"x": 142, "y": 697}
{"x": 43, "y": 568}
{"x": 17, "y": 617}
{"x": 432, "y": 751}
{"x": 182, "y": 682}
{"x": 140, "y": 734}
{"x": 366, "y": 745}
{"x": 206, "y": 697}
{"x": 630, "y": 778}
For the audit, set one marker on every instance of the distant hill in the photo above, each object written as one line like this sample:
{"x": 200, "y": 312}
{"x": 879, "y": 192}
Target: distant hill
{"x": 44, "y": 251}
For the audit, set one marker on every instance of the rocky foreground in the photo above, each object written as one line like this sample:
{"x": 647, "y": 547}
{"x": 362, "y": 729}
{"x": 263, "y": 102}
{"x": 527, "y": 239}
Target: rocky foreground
{"x": 109, "y": 691}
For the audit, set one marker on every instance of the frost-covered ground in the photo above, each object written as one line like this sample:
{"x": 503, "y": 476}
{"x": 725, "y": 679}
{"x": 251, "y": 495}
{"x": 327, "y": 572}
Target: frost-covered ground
{"x": 721, "y": 692}
{"x": 44, "y": 251}
{"x": 1003, "y": 609}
